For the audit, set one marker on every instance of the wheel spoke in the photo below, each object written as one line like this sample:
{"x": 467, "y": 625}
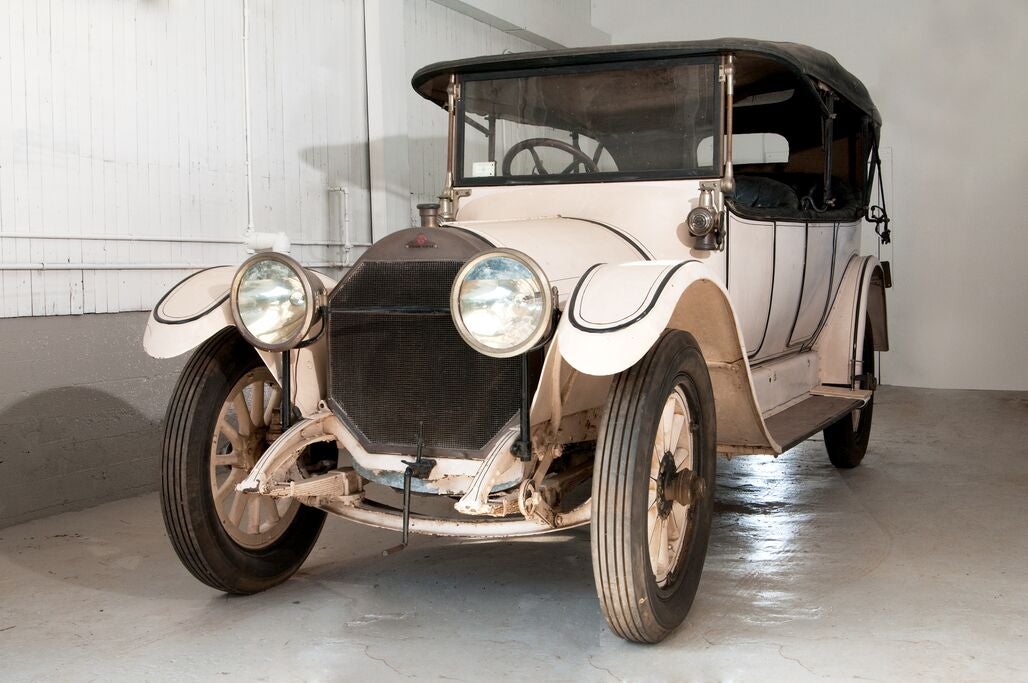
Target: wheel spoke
{"x": 239, "y": 503}
{"x": 254, "y": 510}
{"x": 242, "y": 414}
{"x": 674, "y": 529}
{"x": 663, "y": 558}
{"x": 654, "y": 544}
{"x": 271, "y": 507}
{"x": 257, "y": 407}
{"x": 232, "y": 435}
{"x": 664, "y": 432}
{"x": 228, "y": 486}
{"x": 226, "y": 459}
{"x": 676, "y": 431}
{"x": 273, "y": 401}
{"x": 683, "y": 459}
{"x": 652, "y": 522}
{"x": 680, "y": 514}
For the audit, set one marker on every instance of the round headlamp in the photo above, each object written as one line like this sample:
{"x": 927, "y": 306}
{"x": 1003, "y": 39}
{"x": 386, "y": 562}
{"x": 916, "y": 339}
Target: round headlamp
{"x": 501, "y": 303}
{"x": 274, "y": 301}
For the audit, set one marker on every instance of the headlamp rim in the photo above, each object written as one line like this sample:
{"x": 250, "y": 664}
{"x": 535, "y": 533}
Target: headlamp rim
{"x": 313, "y": 291}
{"x": 541, "y": 331}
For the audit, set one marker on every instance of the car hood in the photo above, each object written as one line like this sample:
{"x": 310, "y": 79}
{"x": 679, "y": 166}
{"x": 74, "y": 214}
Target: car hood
{"x": 563, "y": 247}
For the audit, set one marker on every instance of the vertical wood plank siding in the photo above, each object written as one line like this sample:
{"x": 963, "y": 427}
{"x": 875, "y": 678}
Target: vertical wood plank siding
{"x": 435, "y": 33}
{"x": 125, "y": 119}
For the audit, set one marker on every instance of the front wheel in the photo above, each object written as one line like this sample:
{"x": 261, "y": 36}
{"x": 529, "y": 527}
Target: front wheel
{"x": 222, "y": 416}
{"x": 653, "y": 490}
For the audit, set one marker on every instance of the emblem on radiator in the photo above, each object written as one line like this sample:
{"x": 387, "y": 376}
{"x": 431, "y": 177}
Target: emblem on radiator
{"x": 421, "y": 242}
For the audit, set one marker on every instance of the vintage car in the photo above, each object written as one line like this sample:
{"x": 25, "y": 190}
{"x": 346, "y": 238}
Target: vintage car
{"x": 643, "y": 257}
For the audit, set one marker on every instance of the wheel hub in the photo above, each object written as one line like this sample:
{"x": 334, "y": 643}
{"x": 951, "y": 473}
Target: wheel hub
{"x": 665, "y": 485}
{"x": 255, "y": 444}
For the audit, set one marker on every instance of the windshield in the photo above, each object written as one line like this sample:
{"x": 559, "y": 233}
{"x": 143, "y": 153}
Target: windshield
{"x": 643, "y": 120}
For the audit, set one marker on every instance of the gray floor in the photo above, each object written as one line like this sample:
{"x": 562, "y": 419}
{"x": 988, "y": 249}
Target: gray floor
{"x": 912, "y": 566}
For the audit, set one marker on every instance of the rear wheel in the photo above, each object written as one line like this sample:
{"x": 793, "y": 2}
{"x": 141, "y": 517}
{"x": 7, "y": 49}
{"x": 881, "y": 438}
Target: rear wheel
{"x": 846, "y": 440}
{"x": 222, "y": 416}
{"x": 653, "y": 487}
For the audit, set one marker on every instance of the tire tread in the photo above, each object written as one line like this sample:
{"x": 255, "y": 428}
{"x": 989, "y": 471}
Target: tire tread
{"x": 612, "y": 495}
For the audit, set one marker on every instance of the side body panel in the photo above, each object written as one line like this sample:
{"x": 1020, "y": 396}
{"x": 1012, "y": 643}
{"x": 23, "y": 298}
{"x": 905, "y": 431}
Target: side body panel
{"x": 782, "y": 277}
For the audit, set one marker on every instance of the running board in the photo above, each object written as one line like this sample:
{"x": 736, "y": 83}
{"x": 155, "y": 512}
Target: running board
{"x": 823, "y": 406}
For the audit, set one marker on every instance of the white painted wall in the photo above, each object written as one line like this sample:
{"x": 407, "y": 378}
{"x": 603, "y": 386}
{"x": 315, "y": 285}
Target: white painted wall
{"x": 948, "y": 78}
{"x": 123, "y": 119}
{"x": 121, "y": 131}
{"x": 436, "y": 33}
{"x": 547, "y": 23}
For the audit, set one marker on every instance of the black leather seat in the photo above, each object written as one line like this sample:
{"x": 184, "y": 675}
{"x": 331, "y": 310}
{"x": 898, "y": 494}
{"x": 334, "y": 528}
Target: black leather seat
{"x": 759, "y": 192}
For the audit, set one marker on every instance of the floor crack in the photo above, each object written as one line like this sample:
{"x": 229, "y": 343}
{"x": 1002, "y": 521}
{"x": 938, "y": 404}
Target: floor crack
{"x": 794, "y": 659}
{"x": 383, "y": 661}
{"x": 600, "y": 668}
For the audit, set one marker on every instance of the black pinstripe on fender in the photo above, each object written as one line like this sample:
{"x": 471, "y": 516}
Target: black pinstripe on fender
{"x": 645, "y": 307}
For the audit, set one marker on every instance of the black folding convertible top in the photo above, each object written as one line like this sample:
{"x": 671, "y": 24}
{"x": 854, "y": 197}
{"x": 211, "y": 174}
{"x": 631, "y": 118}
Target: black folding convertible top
{"x": 812, "y": 65}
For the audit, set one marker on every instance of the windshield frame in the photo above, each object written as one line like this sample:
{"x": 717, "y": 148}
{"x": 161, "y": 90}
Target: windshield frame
{"x": 461, "y": 127}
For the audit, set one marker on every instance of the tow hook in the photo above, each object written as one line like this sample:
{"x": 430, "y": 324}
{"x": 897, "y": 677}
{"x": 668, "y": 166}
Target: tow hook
{"x": 420, "y": 467}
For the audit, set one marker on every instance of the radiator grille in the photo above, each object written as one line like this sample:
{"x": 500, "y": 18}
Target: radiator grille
{"x": 396, "y": 359}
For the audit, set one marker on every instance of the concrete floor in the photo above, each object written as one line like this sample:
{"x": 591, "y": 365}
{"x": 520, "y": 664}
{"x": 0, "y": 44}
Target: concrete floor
{"x": 913, "y": 566}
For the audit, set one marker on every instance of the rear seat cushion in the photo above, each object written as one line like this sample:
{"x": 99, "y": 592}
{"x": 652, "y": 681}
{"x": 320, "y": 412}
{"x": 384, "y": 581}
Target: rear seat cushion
{"x": 758, "y": 192}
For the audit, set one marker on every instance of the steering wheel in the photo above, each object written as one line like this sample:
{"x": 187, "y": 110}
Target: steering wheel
{"x": 578, "y": 156}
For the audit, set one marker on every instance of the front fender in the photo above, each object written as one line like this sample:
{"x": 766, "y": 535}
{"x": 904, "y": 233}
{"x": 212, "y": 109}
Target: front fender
{"x": 190, "y": 313}
{"x": 618, "y": 311}
{"x": 197, "y": 308}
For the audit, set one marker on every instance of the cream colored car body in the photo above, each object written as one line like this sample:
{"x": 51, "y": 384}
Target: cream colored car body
{"x": 791, "y": 285}
{"x": 775, "y": 311}
{"x": 778, "y": 311}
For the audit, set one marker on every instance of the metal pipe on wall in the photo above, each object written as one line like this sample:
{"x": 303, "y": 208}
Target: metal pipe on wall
{"x": 246, "y": 117}
{"x": 344, "y": 217}
{"x": 136, "y": 266}
{"x": 100, "y": 237}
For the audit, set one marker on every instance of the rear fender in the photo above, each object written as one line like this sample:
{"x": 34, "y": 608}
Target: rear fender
{"x": 860, "y": 299}
{"x": 197, "y": 308}
{"x": 617, "y": 313}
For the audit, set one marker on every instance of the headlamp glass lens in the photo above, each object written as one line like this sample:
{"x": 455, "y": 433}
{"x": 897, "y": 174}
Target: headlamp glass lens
{"x": 272, "y": 301}
{"x": 701, "y": 221}
{"x": 502, "y": 303}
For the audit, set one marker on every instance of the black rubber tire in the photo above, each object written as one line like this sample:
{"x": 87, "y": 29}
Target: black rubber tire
{"x": 190, "y": 515}
{"x": 846, "y": 446}
{"x": 636, "y": 608}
